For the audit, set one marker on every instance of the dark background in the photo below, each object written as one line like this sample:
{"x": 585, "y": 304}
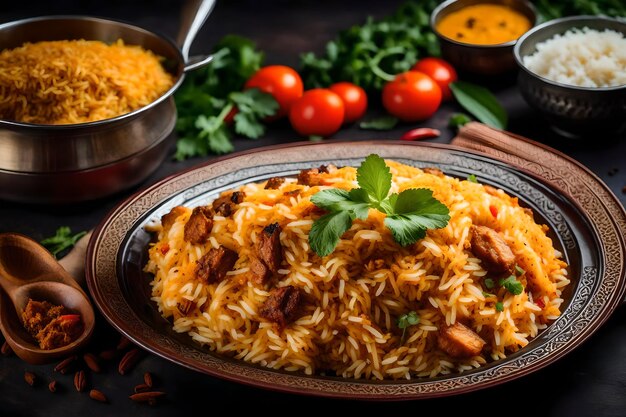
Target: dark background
{"x": 589, "y": 381}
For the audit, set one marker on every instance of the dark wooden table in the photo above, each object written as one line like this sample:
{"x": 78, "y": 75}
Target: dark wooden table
{"x": 589, "y": 381}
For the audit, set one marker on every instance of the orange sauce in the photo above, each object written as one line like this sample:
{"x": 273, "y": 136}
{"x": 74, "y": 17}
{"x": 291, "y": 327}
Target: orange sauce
{"x": 484, "y": 24}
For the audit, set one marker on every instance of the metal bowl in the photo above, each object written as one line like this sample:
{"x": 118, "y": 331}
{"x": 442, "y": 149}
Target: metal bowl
{"x": 572, "y": 111}
{"x": 479, "y": 59}
{"x": 77, "y": 162}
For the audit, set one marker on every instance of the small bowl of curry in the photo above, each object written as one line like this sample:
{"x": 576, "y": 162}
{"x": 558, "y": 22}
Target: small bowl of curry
{"x": 478, "y": 36}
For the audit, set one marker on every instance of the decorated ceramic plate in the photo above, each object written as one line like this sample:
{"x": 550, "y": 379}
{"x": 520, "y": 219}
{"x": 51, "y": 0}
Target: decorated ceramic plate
{"x": 586, "y": 224}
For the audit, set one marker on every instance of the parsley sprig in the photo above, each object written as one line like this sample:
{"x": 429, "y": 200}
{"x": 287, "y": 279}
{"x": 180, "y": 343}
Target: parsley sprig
{"x": 62, "y": 240}
{"x": 409, "y": 214}
{"x": 406, "y": 320}
{"x": 208, "y": 96}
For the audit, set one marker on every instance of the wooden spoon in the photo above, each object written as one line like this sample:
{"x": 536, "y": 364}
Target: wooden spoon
{"x": 28, "y": 270}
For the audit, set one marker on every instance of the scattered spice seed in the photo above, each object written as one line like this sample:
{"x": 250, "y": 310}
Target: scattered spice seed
{"x": 107, "y": 355}
{"x": 92, "y": 362}
{"x": 143, "y": 397}
{"x": 94, "y": 394}
{"x": 123, "y": 343}
{"x": 30, "y": 378}
{"x": 129, "y": 361}
{"x": 52, "y": 386}
{"x": 147, "y": 378}
{"x": 64, "y": 364}
{"x": 141, "y": 388}
{"x": 6, "y": 349}
{"x": 79, "y": 381}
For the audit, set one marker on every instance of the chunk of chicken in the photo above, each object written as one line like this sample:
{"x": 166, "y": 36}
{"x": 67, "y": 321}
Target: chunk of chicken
{"x": 459, "y": 341}
{"x": 491, "y": 249}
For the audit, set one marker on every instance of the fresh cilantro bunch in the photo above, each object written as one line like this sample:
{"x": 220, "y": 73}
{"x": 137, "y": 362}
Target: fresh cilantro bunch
{"x": 409, "y": 214}
{"x": 373, "y": 53}
{"x": 208, "y": 97}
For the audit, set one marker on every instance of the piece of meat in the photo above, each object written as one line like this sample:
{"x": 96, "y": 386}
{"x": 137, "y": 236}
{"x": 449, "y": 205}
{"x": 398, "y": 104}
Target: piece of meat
{"x": 226, "y": 203}
{"x": 459, "y": 341}
{"x": 167, "y": 220}
{"x": 274, "y": 183}
{"x": 269, "y": 248}
{"x": 292, "y": 193}
{"x": 214, "y": 265}
{"x": 310, "y": 176}
{"x": 433, "y": 171}
{"x": 199, "y": 225}
{"x": 186, "y": 306}
{"x": 258, "y": 273}
{"x": 491, "y": 249}
{"x": 282, "y": 306}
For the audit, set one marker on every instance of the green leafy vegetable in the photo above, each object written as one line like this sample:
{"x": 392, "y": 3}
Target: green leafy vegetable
{"x": 62, "y": 240}
{"x": 549, "y": 9}
{"x": 499, "y": 306}
{"x": 512, "y": 285}
{"x": 407, "y": 320}
{"x": 380, "y": 123}
{"x": 489, "y": 283}
{"x": 209, "y": 95}
{"x": 458, "y": 119}
{"x": 409, "y": 214}
{"x": 480, "y": 103}
{"x": 371, "y": 54}
{"x": 472, "y": 178}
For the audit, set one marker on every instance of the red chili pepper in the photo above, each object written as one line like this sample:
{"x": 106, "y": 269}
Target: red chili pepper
{"x": 540, "y": 303}
{"x": 420, "y": 133}
{"x": 70, "y": 317}
{"x": 494, "y": 211}
{"x": 165, "y": 249}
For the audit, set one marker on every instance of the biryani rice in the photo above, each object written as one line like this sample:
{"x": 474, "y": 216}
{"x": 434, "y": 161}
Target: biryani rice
{"x": 77, "y": 81}
{"x": 356, "y": 294}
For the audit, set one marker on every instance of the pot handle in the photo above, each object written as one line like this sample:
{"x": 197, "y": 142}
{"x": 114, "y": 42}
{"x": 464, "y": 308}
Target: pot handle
{"x": 195, "y": 13}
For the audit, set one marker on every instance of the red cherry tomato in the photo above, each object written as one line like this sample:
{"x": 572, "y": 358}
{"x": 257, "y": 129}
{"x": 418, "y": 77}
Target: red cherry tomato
{"x": 354, "y": 99}
{"x": 318, "y": 112}
{"x": 412, "y": 96}
{"x": 282, "y": 82}
{"x": 440, "y": 71}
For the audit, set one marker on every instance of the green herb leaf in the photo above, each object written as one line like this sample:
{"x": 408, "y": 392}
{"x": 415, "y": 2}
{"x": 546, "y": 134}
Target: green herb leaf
{"x": 415, "y": 211}
{"x": 207, "y": 96}
{"x": 489, "y": 283}
{"x": 480, "y": 103}
{"x": 407, "y": 320}
{"x": 499, "y": 306}
{"x": 374, "y": 177}
{"x": 253, "y": 106}
{"x": 409, "y": 214}
{"x": 371, "y": 53}
{"x": 327, "y": 230}
{"x": 62, "y": 240}
{"x": 488, "y": 294}
{"x": 380, "y": 123}
{"x": 519, "y": 271}
{"x": 512, "y": 285}
{"x": 338, "y": 200}
{"x": 458, "y": 119}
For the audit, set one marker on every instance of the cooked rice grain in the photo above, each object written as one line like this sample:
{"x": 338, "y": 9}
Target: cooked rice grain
{"x": 77, "y": 81}
{"x": 355, "y": 295}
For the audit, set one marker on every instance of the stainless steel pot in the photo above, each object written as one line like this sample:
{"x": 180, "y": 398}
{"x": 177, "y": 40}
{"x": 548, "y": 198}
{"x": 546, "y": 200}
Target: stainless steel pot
{"x": 78, "y": 162}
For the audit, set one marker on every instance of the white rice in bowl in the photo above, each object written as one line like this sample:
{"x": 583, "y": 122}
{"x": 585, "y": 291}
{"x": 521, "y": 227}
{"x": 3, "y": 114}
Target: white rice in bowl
{"x": 581, "y": 57}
